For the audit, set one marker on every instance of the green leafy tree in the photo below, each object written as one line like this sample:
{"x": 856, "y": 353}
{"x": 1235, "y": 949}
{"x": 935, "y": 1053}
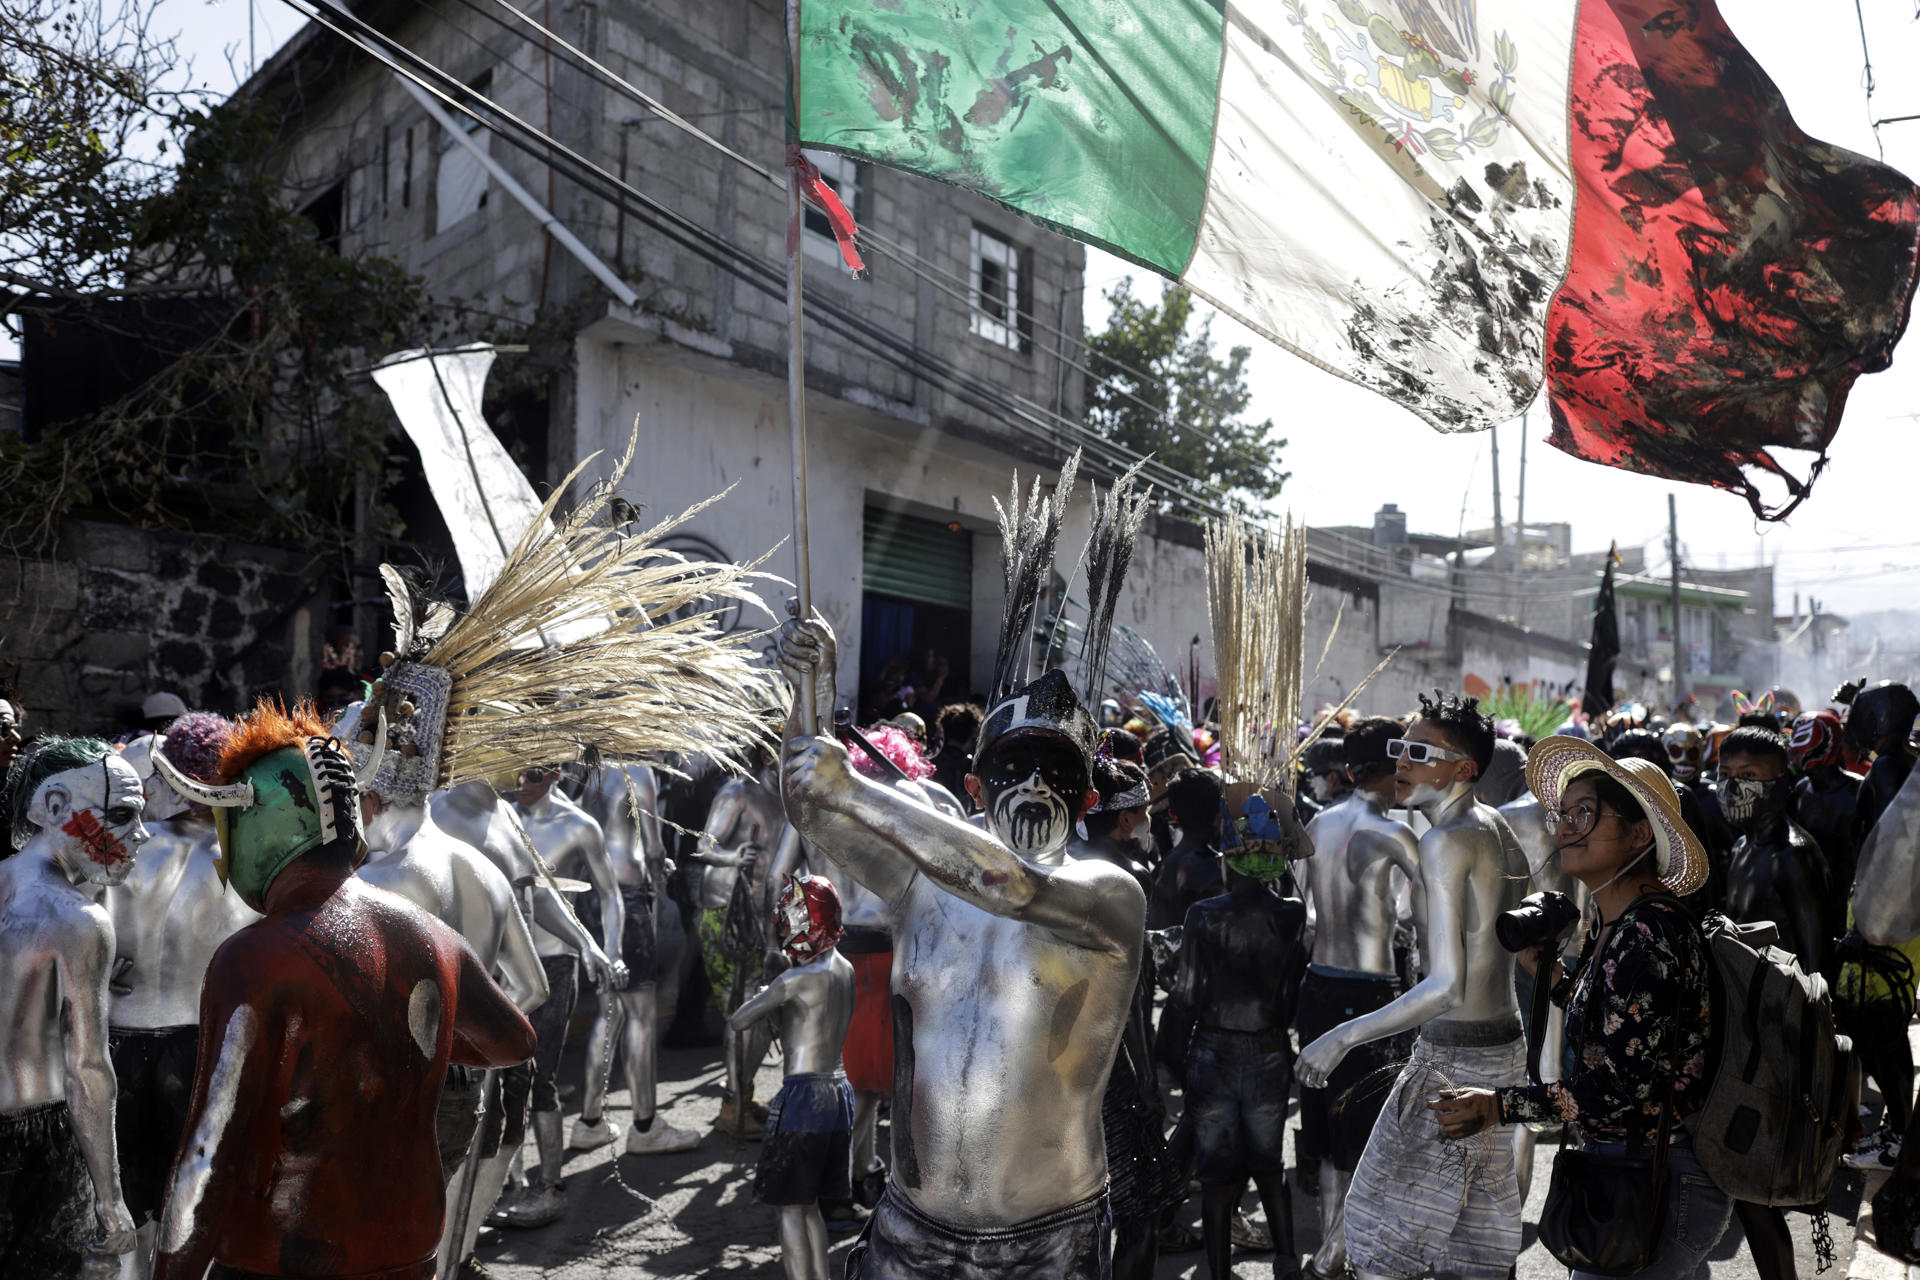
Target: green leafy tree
{"x": 1157, "y": 387}
{"x": 130, "y": 208}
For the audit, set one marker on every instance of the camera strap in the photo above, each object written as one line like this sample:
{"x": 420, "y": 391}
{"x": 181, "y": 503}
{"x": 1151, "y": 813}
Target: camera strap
{"x": 1537, "y": 1021}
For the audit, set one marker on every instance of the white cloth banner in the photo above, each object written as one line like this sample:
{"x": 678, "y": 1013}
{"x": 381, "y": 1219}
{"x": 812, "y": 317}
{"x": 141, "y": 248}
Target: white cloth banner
{"x": 484, "y": 497}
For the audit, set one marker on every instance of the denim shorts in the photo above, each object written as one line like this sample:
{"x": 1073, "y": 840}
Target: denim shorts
{"x": 1697, "y": 1213}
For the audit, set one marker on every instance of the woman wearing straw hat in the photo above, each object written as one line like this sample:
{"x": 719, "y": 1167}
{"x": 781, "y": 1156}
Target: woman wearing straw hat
{"x": 1641, "y": 981}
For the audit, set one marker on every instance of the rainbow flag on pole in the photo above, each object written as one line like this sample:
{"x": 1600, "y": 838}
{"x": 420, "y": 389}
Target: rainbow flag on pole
{"x": 1455, "y": 203}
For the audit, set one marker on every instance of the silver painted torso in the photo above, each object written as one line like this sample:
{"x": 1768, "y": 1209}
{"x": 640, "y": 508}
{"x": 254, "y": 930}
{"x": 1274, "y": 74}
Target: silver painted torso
{"x": 446, "y": 878}
{"x": 746, "y": 818}
{"x": 634, "y": 846}
{"x": 1471, "y": 869}
{"x": 814, "y": 1001}
{"x": 574, "y": 848}
{"x": 1472, "y": 863}
{"x": 1357, "y": 849}
{"x": 1886, "y": 894}
{"x": 169, "y": 917}
{"x": 56, "y": 943}
{"x": 1013, "y": 1034}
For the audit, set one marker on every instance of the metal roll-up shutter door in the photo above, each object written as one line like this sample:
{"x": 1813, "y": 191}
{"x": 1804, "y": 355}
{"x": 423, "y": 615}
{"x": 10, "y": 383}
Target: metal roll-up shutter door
{"x": 919, "y": 560}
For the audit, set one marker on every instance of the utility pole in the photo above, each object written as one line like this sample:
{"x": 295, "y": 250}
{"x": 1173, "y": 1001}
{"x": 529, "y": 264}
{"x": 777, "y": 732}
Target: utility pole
{"x": 1681, "y": 683}
{"x": 1520, "y": 521}
{"x": 1499, "y": 537}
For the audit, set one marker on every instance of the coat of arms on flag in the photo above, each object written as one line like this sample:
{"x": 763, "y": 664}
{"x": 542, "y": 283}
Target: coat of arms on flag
{"x": 1454, "y": 203}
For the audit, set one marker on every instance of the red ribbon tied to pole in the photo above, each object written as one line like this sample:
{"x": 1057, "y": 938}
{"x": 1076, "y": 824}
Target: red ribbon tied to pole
{"x": 824, "y": 198}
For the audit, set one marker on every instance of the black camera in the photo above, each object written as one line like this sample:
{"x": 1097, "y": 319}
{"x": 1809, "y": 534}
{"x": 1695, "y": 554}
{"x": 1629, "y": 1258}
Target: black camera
{"x": 1538, "y": 921}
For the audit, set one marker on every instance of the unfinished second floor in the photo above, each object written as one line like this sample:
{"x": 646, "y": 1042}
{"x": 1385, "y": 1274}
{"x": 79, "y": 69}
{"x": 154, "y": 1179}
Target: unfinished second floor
{"x": 967, "y": 308}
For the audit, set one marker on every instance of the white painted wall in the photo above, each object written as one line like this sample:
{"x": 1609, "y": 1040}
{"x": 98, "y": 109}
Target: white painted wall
{"x": 702, "y": 429}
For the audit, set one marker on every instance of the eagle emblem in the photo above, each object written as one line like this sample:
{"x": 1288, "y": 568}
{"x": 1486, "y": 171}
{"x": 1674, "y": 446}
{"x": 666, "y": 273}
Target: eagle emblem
{"x": 1420, "y": 80}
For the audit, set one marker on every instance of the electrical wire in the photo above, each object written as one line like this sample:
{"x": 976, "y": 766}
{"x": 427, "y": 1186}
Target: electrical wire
{"x": 867, "y": 237}
{"x": 865, "y": 335}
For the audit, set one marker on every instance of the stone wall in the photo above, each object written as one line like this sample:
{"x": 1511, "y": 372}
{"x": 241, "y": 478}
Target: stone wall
{"x": 117, "y": 613}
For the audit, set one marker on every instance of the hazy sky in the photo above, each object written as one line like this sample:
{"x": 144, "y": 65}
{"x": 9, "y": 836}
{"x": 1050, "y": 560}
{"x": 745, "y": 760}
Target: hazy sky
{"x": 1855, "y": 543}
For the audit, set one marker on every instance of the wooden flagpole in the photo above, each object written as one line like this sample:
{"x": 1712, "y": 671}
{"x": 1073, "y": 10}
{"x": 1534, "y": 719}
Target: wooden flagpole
{"x": 797, "y": 364}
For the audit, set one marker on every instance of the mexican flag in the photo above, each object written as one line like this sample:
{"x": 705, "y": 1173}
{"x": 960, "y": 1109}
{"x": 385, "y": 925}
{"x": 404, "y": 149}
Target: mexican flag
{"x": 1455, "y": 203}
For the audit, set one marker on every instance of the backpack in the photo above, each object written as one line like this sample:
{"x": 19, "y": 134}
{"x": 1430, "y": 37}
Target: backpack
{"x": 1779, "y": 1100}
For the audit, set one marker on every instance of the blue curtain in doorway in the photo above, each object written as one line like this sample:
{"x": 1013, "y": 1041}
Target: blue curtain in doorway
{"x": 886, "y": 632}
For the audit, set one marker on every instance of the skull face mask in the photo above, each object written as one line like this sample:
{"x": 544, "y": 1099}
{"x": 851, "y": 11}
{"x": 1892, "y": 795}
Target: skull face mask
{"x": 806, "y": 917}
{"x": 1032, "y": 793}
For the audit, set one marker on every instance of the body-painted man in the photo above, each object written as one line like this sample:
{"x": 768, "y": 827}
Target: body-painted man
{"x": 1013, "y": 976}
{"x": 327, "y": 1029}
{"x": 808, "y": 1147}
{"x": 1472, "y": 869}
{"x": 454, "y": 883}
{"x": 1361, "y": 854}
{"x": 574, "y": 849}
{"x": 1242, "y": 956}
{"x": 624, "y": 799}
{"x": 169, "y": 917}
{"x": 76, "y": 811}
{"x": 746, "y": 846}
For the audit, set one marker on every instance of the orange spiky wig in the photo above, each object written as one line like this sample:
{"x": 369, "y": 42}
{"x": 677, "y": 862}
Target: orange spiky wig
{"x": 269, "y": 727}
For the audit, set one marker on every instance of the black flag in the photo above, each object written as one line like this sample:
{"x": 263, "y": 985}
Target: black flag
{"x": 1598, "y": 699}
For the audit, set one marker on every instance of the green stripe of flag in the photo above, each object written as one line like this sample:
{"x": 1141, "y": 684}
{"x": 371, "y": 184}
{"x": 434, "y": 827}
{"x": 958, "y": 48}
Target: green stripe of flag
{"x": 1094, "y": 116}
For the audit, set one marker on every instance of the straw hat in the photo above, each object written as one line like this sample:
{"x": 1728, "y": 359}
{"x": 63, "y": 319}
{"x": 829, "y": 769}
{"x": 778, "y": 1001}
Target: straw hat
{"x": 1680, "y": 858}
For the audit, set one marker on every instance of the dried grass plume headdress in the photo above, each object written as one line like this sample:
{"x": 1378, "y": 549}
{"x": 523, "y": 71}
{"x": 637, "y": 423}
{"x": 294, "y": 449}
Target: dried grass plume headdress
{"x": 590, "y": 638}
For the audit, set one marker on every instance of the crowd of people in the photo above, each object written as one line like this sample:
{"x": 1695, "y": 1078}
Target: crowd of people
{"x": 1139, "y": 930}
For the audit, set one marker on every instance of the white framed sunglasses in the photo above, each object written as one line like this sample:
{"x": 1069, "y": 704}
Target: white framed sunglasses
{"x": 1421, "y": 752}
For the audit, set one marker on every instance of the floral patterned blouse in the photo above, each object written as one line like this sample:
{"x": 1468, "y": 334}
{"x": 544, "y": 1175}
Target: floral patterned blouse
{"x": 1652, "y": 980}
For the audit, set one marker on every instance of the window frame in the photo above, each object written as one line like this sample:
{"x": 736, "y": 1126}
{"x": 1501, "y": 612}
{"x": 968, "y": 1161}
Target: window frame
{"x": 1013, "y": 329}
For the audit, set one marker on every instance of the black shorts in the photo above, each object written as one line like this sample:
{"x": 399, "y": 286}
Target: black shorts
{"x": 807, "y": 1154}
{"x": 550, "y": 1031}
{"x": 153, "y": 1073}
{"x": 46, "y": 1195}
{"x": 1237, "y": 1087}
{"x": 902, "y": 1243}
{"x": 639, "y": 949}
{"x": 1337, "y": 1119}
{"x": 458, "y": 1116}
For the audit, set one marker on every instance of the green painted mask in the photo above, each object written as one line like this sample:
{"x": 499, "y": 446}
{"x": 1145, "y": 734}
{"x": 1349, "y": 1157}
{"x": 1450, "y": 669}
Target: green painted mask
{"x": 1258, "y": 864}
{"x": 303, "y": 797}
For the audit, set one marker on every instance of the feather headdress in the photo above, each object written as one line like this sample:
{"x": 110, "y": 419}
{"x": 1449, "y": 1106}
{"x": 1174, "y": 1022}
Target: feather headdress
{"x": 589, "y": 638}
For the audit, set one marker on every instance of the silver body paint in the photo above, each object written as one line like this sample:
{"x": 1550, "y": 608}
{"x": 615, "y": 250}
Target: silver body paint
{"x": 573, "y": 845}
{"x": 1886, "y": 891}
{"x": 475, "y": 813}
{"x": 1012, "y": 979}
{"x": 1351, "y": 882}
{"x": 169, "y": 917}
{"x": 625, "y": 800}
{"x": 1472, "y": 869}
{"x": 814, "y": 1002}
{"x": 746, "y": 821}
{"x": 634, "y": 841}
{"x": 56, "y": 957}
{"x": 451, "y": 881}
{"x": 194, "y": 1169}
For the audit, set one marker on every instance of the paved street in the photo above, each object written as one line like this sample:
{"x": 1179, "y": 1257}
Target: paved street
{"x": 630, "y": 1218}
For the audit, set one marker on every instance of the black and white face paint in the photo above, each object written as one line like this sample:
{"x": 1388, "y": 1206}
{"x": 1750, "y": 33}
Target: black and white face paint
{"x": 1030, "y": 817}
{"x": 1031, "y": 803}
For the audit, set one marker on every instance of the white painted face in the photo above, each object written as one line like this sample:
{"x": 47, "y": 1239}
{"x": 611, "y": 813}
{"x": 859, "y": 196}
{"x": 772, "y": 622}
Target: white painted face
{"x": 1321, "y": 785}
{"x": 1030, "y": 817}
{"x": 92, "y": 816}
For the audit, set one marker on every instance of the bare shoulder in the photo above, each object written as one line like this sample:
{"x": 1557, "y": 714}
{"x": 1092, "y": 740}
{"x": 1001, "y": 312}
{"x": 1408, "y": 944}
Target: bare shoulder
{"x": 1098, "y": 873}
{"x": 76, "y": 926}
